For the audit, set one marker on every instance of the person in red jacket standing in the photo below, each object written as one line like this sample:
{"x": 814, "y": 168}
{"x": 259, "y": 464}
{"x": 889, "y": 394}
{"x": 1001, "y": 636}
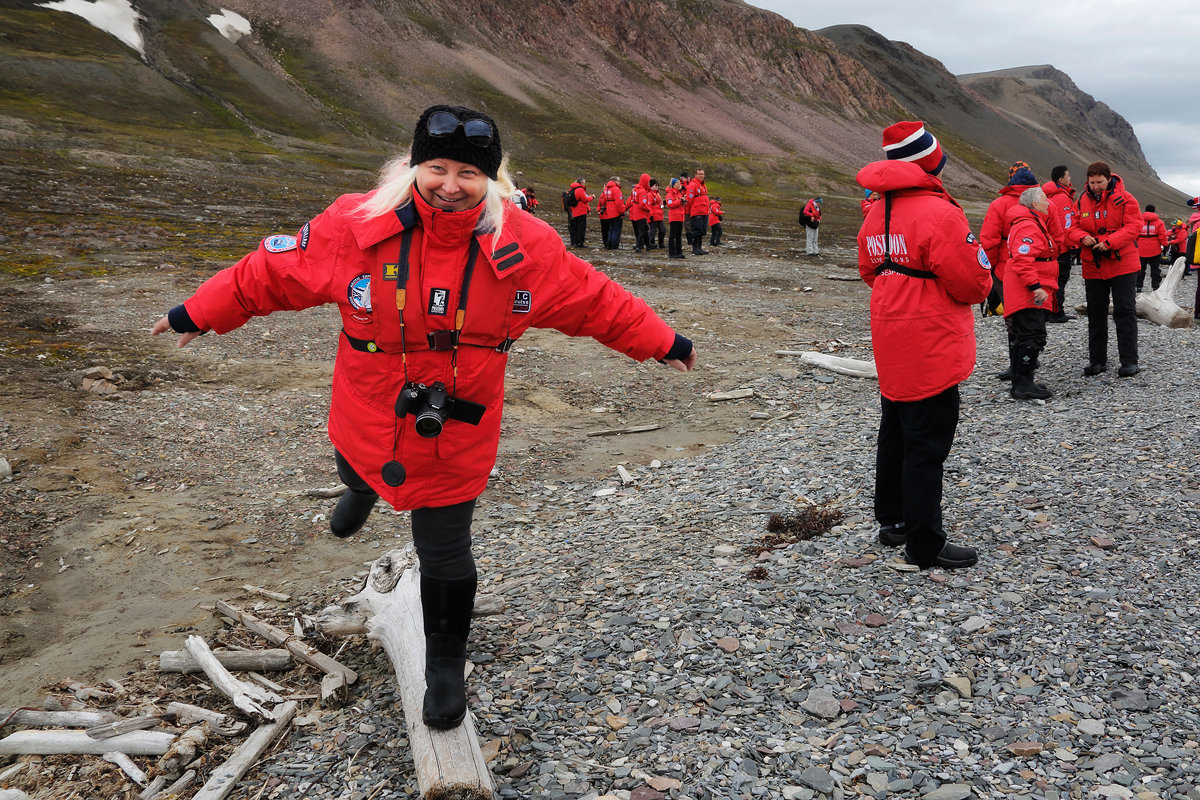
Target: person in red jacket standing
{"x": 658, "y": 231}
{"x": 810, "y": 217}
{"x": 1106, "y": 232}
{"x": 1060, "y": 193}
{"x": 869, "y": 198}
{"x": 1152, "y": 238}
{"x": 1029, "y": 283}
{"x": 612, "y": 213}
{"x": 926, "y": 270}
{"x": 697, "y": 211}
{"x": 993, "y": 233}
{"x": 715, "y": 214}
{"x": 435, "y": 274}
{"x": 676, "y": 201}
{"x": 639, "y": 212}
{"x": 581, "y": 207}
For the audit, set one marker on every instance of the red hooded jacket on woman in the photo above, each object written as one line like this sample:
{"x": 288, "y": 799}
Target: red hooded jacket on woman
{"x": 1062, "y": 212}
{"x": 675, "y": 203}
{"x": 640, "y": 200}
{"x": 922, "y": 328}
{"x": 656, "y": 207}
{"x": 523, "y": 279}
{"x": 993, "y": 233}
{"x": 614, "y": 201}
{"x": 1113, "y": 218}
{"x": 715, "y": 212}
{"x": 1032, "y": 262}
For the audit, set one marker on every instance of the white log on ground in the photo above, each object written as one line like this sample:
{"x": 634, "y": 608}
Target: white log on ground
{"x": 335, "y": 693}
{"x": 176, "y": 788}
{"x": 225, "y": 777}
{"x": 246, "y": 697}
{"x": 844, "y": 366}
{"x": 297, "y": 648}
{"x": 184, "y": 750}
{"x": 56, "y": 719}
{"x": 154, "y": 788}
{"x": 47, "y": 743}
{"x": 117, "y": 727}
{"x": 448, "y": 763}
{"x": 1159, "y": 306}
{"x": 274, "y": 660}
{"x": 127, "y": 766}
{"x": 218, "y": 723}
{"x": 13, "y": 794}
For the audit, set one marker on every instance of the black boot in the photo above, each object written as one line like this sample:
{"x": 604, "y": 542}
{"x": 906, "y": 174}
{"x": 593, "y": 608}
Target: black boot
{"x": 1007, "y": 374}
{"x": 446, "y": 609}
{"x": 1024, "y": 388}
{"x": 355, "y": 505}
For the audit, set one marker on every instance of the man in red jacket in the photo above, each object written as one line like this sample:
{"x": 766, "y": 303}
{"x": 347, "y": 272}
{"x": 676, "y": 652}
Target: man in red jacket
{"x": 1060, "y": 193}
{"x": 612, "y": 213}
{"x": 580, "y": 209}
{"x": 697, "y": 211}
{"x": 1151, "y": 240}
{"x": 1106, "y": 232}
{"x": 926, "y": 270}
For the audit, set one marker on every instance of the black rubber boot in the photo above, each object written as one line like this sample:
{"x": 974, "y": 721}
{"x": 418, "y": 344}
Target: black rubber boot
{"x": 351, "y": 512}
{"x": 1024, "y": 388}
{"x": 446, "y": 608}
{"x": 1007, "y": 374}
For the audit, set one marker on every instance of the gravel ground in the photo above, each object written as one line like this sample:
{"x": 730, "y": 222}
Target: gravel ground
{"x": 648, "y": 650}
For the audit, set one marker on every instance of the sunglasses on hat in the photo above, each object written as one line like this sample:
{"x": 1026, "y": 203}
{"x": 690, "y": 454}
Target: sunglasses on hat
{"x": 443, "y": 123}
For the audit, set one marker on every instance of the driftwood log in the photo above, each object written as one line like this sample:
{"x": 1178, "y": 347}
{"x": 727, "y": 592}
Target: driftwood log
{"x": 218, "y": 723}
{"x": 297, "y": 648}
{"x": 225, "y": 777}
{"x": 127, "y": 766}
{"x": 56, "y": 719}
{"x": 247, "y": 697}
{"x": 844, "y": 366}
{"x": 45, "y": 743}
{"x": 1159, "y": 306}
{"x": 449, "y": 764}
{"x": 275, "y": 660}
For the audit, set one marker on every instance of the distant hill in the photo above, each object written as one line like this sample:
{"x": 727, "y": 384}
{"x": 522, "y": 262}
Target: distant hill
{"x": 589, "y": 87}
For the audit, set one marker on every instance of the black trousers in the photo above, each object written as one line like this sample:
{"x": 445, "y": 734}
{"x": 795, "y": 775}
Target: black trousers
{"x": 605, "y": 224}
{"x": 675, "y": 239}
{"x": 1155, "y": 265}
{"x": 714, "y": 236}
{"x": 578, "y": 229}
{"x": 914, "y": 440}
{"x": 641, "y": 235}
{"x": 699, "y": 228}
{"x": 441, "y": 535}
{"x": 1065, "y": 262}
{"x": 687, "y": 227}
{"x": 1027, "y": 337}
{"x": 1123, "y": 291}
{"x": 657, "y": 231}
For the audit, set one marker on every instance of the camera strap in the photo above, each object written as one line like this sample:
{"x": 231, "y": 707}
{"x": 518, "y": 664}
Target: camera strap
{"x": 887, "y": 263}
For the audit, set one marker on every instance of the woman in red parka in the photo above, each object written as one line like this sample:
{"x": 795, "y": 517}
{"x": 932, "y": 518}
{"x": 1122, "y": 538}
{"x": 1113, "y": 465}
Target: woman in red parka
{"x": 676, "y": 201}
{"x": 1106, "y": 232}
{"x": 1030, "y": 281}
{"x": 435, "y": 274}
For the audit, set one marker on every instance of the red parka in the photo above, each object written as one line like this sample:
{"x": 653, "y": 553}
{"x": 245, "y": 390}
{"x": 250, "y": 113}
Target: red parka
{"x": 715, "y": 212}
{"x": 1152, "y": 237}
{"x": 676, "y": 200}
{"x": 1033, "y": 260}
{"x": 922, "y": 328}
{"x": 582, "y": 200}
{"x": 812, "y": 209}
{"x": 697, "y": 199}
{"x": 640, "y": 200}
{"x": 525, "y": 278}
{"x": 1062, "y": 212}
{"x": 1113, "y": 218}
{"x": 1193, "y": 223}
{"x": 866, "y": 206}
{"x": 614, "y": 201}
{"x": 993, "y": 233}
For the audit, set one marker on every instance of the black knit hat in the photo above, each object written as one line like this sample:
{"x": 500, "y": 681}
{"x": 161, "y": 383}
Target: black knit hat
{"x": 456, "y": 146}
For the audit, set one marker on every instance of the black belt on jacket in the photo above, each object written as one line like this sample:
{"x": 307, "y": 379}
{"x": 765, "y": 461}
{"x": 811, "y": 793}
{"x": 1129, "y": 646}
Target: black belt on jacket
{"x": 438, "y": 341}
{"x": 903, "y": 270}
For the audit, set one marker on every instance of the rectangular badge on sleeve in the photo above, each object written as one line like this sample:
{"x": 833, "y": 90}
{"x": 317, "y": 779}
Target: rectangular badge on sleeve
{"x": 522, "y": 301}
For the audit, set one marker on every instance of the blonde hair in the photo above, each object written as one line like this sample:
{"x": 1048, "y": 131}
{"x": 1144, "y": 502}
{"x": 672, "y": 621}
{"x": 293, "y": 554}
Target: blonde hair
{"x": 395, "y": 188}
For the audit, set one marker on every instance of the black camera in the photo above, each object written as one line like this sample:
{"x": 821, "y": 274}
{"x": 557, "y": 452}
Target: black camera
{"x": 433, "y": 406}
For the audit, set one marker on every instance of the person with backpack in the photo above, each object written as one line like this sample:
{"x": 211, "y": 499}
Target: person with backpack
{"x": 926, "y": 270}
{"x": 810, "y": 218}
{"x": 435, "y": 274}
{"x": 1151, "y": 240}
{"x": 577, "y": 204}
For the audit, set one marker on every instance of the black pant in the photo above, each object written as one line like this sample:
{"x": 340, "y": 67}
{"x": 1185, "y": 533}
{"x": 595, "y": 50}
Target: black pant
{"x": 714, "y": 237}
{"x": 657, "y": 230}
{"x": 1027, "y": 337}
{"x": 1123, "y": 293}
{"x": 675, "y": 240}
{"x": 641, "y": 235}
{"x": 578, "y": 229}
{"x": 1065, "y": 262}
{"x": 441, "y": 535}
{"x": 605, "y": 224}
{"x": 914, "y": 440}
{"x": 687, "y": 227}
{"x": 1155, "y": 264}
{"x": 699, "y": 228}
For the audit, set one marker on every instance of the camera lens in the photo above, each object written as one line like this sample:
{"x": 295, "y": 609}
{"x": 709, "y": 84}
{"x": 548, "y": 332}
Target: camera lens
{"x": 429, "y": 422}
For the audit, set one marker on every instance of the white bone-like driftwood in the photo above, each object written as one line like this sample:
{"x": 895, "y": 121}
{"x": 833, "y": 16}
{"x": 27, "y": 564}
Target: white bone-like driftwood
{"x": 247, "y": 697}
{"x": 138, "y": 743}
{"x": 274, "y": 660}
{"x": 224, "y": 778}
{"x": 843, "y": 366}
{"x": 57, "y": 719}
{"x": 449, "y": 764}
{"x": 1159, "y": 306}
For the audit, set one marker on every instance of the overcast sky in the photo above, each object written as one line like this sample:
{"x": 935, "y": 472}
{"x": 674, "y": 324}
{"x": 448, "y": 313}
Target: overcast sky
{"x": 1139, "y": 57}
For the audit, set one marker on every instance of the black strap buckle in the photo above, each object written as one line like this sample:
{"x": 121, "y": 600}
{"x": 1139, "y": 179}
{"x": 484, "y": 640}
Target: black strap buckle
{"x": 505, "y": 346}
{"x": 442, "y": 340}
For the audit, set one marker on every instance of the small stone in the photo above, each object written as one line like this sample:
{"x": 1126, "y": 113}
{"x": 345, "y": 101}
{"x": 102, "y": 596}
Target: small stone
{"x": 824, "y": 378}
{"x": 683, "y": 723}
{"x": 1102, "y": 542}
{"x": 822, "y": 703}
{"x": 959, "y": 684}
{"x": 1091, "y": 727}
{"x": 615, "y": 722}
{"x": 725, "y": 550}
{"x": 950, "y": 791}
{"x": 1026, "y": 749}
{"x": 1130, "y": 700}
{"x": 5, "y": 469}
{"x": 646, "y": 793}
{"x": 664, "y": 784}
{"x": 974, "y": 624}
{"x": 728, "y": 644}
{"x": 875, "y": 621}
{"x": 818, "y": 779}
{"x": 1106, "y": 762}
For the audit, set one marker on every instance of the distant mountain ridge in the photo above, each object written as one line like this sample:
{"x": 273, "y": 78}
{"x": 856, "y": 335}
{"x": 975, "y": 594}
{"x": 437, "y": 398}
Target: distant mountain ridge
{"x": 580, "y": 86}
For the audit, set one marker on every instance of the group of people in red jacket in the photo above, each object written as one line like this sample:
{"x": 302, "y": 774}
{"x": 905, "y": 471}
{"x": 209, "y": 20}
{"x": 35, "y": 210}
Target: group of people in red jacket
{"x": 685, "y": 205}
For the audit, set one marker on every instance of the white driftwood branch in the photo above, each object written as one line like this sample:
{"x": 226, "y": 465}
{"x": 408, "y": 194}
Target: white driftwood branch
{"x": 116, "y": 728}
{"x": 267, "y": 593}
{"x": 184, "y": 751}
{"x": 332, "y": 491}
{"x": 448, "y": 763}
{"x": 46, "y": 743}
{"x": 275, "y": 660}
{"x": 176, "y": 788}
{"x": 218, "y": 723}
{"x": 154, "y": 788}
{"x": 845, "y": 366}
{"x": 57, "y": 719}
{"x": 13, "y": 794}
{"x": 225, "y": 777}
{"x": 127, "y": 766}
{"x": 1159, "y": 306}
{"x": 247, "y": 697}
{"x": 298, "y": 649}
